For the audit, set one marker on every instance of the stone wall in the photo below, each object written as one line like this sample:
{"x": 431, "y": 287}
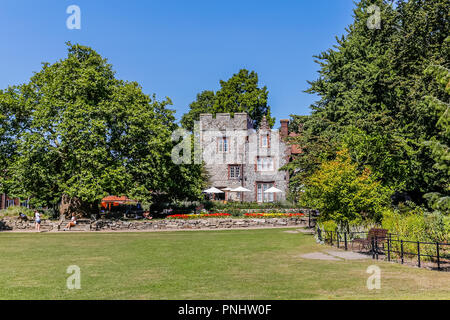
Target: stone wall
{"x": 210, "y": 223}
{"x": 14, "y": 224}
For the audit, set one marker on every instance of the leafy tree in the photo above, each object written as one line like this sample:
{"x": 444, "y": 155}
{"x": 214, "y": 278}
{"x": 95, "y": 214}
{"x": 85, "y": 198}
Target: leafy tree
{"x": 12, "y": 120}
{"x": 371, "y": 85}
{"x": 240, "y": 93}
{"x": 5, "y": 140}
{"x": 440, "y": 145}
{"x": 343, "y": 193}
{"x": 316, "y": 148}
{"x": 87, "y": 134}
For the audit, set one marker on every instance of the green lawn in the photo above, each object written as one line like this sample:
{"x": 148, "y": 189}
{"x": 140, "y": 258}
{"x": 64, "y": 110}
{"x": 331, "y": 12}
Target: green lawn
{"x": 235, "y": 264}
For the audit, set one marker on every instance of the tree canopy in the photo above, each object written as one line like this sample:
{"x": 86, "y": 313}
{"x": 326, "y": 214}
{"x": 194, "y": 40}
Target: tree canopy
{"x": 440, "y": 145}
{"x": 76, "y": 131}
{"x": 240, "y": 93}
{"x": 371, "y": 87}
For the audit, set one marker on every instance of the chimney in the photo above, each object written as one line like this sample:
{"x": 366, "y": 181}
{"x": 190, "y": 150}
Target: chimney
{"x": 284, "y": 128}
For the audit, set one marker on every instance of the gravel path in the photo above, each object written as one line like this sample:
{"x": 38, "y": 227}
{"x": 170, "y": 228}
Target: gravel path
{"x": 334, "y": 255}
{"x": 319, "y": 256}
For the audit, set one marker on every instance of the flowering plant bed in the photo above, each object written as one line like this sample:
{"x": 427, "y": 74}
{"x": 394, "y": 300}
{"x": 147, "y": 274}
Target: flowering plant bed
{"x": 228, "y": 215}
{"x": 197, "y": 216}
{"x": 273, "y": 215}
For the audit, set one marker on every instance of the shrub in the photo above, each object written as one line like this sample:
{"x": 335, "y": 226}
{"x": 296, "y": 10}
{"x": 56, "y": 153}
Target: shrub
{"x": 235, "y": 212}
{"x": 409, "y": 226}
{"x": 416, "y": 225}
{"x": 341, "y": 192}
{"x": 437, "y": 227}
{"x": 329, "y": 225}
{"x": 14, "y": 211}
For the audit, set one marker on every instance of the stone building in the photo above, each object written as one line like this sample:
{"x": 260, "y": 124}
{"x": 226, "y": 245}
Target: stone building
{"x": 238, "y": 155}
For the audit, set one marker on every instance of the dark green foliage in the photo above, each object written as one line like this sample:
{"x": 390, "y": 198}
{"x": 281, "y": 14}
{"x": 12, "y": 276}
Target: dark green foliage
{"x": 240, "y": 93}
{"x": 76, "y": 130}
{"x": 440, "y": 144}
{"x": 372, "y": 87}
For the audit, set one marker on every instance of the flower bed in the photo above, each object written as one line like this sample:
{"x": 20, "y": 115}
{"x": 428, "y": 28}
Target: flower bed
{"x": 198, "y": 216}
{"x": 228, "y": 215}
{"x": 273, "y": 215}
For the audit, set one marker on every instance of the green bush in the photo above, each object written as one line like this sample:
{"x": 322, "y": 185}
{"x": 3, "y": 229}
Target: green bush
{"x": 235, "y": 212}
{"x": 329, "y": 225}
{"x": 409, "y": 226}
{"x": 344, "y": 193}
{"x": 437, "y": 227}
{"x": 14, "y": 211}
{"x": 416, "y": 224}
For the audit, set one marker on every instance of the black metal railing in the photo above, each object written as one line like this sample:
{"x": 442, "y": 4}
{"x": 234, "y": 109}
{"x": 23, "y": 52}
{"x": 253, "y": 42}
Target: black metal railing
{"x": 390, "y": 246}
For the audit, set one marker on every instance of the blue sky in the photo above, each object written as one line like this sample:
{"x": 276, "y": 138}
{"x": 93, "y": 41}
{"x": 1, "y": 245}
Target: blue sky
{"x": 180, "y": 48}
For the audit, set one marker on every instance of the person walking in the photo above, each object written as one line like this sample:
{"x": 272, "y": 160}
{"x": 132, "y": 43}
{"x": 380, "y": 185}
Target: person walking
{"x": 37, "y": 218}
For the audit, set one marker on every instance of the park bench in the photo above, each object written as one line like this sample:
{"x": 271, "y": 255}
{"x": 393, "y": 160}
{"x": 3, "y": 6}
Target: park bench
{"x": 82, "y": 225}
{"x": 374, "y": 234}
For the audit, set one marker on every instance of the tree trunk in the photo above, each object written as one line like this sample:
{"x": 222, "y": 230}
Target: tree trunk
{"x": 75, "y": 205}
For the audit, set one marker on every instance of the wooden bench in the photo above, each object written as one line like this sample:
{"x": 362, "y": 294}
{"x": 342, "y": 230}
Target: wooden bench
{"x": 374, "y": 234}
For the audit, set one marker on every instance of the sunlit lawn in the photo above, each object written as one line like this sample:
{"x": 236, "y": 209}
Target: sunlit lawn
{"x": 234, "y": 264}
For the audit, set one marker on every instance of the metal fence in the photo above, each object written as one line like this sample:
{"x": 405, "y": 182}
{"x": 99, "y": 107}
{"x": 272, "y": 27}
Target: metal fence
{"x": 391, "y": 248}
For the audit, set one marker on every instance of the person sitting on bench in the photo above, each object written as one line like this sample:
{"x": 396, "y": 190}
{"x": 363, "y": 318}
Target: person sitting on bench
{"x": 72, "y": 222}
{"x": 147, "y": 215}
{"x": 23, "y": 216}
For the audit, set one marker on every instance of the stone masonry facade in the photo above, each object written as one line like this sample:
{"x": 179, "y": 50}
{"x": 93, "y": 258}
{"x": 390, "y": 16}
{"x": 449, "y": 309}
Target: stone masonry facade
{"x": 238, "y": 155}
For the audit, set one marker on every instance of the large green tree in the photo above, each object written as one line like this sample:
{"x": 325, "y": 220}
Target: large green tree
{"x": 85, "y": 134}
{"x": 240, "y": 93}
{"x": 440, "y": 145}
{"x": 371, "y": 86}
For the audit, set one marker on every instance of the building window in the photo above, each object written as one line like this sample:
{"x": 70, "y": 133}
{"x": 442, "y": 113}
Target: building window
{"x": 235, "y": 172}
{"x": 265, "y": 164}
{"x": 9, "y": 203}
{"x": 264, "y": 197}
{"x": 223, "y": 144}
{"x": 265, "y": 143}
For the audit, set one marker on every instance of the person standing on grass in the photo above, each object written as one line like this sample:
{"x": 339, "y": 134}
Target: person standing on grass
{"x": 72, "y": 222}
{"x": 37, "y": 217}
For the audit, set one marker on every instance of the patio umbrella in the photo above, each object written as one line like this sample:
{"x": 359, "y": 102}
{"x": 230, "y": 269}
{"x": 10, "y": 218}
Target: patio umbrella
{"x": 240, "y": 189}
{"x": 212, "y": 190}
{"x": 273, "y": 190}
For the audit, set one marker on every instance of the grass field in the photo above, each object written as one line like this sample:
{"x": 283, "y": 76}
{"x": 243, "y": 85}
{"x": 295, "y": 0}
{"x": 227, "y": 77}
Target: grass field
{"x": 234, "y": 264}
